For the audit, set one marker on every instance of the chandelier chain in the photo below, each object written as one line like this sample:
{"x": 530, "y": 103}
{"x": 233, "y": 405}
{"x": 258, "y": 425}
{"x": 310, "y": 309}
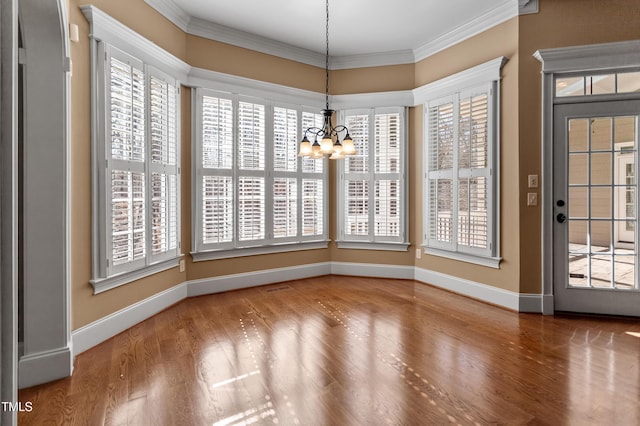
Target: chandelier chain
{"x": 326, "y": 65}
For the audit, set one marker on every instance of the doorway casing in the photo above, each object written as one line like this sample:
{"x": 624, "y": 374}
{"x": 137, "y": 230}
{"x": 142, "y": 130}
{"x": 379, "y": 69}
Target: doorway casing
{"x": 597, "y": 58}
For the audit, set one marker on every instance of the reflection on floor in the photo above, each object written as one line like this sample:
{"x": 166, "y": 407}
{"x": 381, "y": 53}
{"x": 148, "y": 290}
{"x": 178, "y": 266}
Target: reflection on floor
{"x": 608, "y": 269}
{"x": 339, "y": 351}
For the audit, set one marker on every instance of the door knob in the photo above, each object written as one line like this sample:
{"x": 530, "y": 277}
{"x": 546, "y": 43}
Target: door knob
{"x": 561, "y": 218}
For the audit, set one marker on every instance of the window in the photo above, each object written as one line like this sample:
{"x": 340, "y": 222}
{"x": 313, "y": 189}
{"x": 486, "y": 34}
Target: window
{"x": 136, "y": 169}
{"x": 372, "y": 190}
{"x": 598, "y": 84}
{"x": 254, "y": 194}
{"x": 461, "y": 144}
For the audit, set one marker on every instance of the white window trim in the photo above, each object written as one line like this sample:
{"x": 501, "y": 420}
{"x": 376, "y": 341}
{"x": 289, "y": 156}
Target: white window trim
{"x": 105, "y": 277}
{"x": 203, "y": 252}
{"x": 371, "y": 242}
{"x": 486, "y": 75}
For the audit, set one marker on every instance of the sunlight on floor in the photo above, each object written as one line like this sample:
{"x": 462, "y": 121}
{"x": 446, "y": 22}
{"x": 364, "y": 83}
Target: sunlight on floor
{"x": 250, "y": 416}
{"x": 235, "y": 379}
{"x": 633, "y": 333}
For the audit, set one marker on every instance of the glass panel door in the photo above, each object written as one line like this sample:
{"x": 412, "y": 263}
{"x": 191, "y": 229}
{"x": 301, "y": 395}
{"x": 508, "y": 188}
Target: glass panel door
{"x": 595, "y": 196}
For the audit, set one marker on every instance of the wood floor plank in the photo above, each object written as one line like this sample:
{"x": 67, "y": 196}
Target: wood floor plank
{"x": 338, "y": 350}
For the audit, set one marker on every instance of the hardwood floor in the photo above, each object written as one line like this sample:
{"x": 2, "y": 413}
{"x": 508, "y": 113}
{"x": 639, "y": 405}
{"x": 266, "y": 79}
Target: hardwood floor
{"x": 350, "y": 351}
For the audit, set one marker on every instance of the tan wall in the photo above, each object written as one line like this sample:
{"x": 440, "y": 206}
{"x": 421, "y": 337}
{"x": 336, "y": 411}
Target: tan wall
{"x": 372, "y": 79}
{"x": 558, "y": 24}
{"x": 87, "y": 307}
{"x": 501, "y": 40}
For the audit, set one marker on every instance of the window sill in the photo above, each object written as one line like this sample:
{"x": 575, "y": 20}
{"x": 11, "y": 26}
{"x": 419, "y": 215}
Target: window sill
{"x": 367, "y": 245}
{"x": 201, "y": 256}
{"x": 103, "y": 284}
{"x": 491, "y": 262}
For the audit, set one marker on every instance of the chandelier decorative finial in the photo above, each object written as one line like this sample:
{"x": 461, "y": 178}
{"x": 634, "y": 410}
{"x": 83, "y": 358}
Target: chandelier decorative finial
{"x": 326, "y": 140}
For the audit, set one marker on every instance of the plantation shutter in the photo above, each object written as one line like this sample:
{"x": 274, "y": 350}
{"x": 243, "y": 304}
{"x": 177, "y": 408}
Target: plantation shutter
{"x": 357, "y": 180}
{"x": 373, "y": 196}
{"x": 126, "y": 162}
{"x": 217, "y": 169}
{"x": 473, "y": 171}
{"x": 285, "y": 166}
{"x": 164, "y": 168}
{"x": 312, "y": 188}
{"x": 136, "y": 169}
{"x": 458, "y": 173}
{"x": 387, "y": 176}
{"x": 251, "y": 172}
{"x": 440, "y": 148}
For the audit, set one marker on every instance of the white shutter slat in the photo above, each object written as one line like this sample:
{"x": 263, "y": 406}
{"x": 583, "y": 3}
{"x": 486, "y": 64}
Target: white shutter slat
{"x": 163, "y": 141}
{"x": 387, "y": 143}
{"x": 440, "y": 148}
{"x": 162, "y": 115}
{"x": 312, "y": 207}
{"x": 217, "y": 209}
{"x": 359, "y": 130}
{"x": 473, "y": 156}
{"x": 127, "y": 93}
{"x": 164, "y": 209}
{"x": 251, "y": 209}
{"x": 127, "y": 216}
{"x": 356, "y": 197}
{"x": 387, "y": 208}
{"x": 251, "y": 136}
{"x": 285, "y": 139}
{"x": 285, "y": 207}
{"x": 217, "y": 133}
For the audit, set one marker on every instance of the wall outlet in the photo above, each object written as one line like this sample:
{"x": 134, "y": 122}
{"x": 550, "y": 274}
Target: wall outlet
{"x": 532, "y": 199}
{"x": 419, "y": 253}
{"x": 182, "y": 265}
{"x": 533, "y": 181}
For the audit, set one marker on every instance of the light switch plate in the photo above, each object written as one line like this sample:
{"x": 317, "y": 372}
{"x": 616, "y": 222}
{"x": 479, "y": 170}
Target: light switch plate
{"x": 532, "y": 199}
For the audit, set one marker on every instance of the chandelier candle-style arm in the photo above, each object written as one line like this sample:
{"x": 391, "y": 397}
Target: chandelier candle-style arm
{"x": 326, "y": 140}
{"x": 329, "y": 140}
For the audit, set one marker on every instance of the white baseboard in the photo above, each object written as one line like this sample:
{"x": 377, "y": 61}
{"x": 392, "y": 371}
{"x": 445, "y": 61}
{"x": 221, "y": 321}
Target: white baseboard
{"x": 531, "y": 303}
{"x": 253, "y": 279}
{"x": 372, "y": 270}
{"x": 44, "y": 367}
{"x": 98, "y": 331}
{"x": 497, "y": 296}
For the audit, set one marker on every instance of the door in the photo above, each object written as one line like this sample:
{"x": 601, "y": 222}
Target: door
{"x": 595, "y": 208}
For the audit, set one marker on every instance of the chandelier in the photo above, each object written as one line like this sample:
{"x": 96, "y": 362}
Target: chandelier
{"x": 326, "y": 139}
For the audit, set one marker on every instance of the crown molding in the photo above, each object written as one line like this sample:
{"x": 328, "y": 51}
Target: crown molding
{"x": 480, "y": 74}
{"x": 209, "y": 30}
{"x": 107, "y": 29}
{"x": 396, "y": 57}
{"x": 170, "y": 10}
{"x": 482, "y": 23}
{"x": 527, "y": 7}
{"x": 221, "y": 33}
{"x": 624, "y": 54}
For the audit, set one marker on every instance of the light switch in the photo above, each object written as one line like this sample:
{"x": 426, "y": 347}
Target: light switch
{"x": 532, "y": 199}
{"x": 533, "y": 181}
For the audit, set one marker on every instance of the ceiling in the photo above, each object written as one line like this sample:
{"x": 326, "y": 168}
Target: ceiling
{"x": 356, "y": 27}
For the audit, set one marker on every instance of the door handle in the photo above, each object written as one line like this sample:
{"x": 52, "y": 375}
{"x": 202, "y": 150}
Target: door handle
{"x": 561, "y": 218}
